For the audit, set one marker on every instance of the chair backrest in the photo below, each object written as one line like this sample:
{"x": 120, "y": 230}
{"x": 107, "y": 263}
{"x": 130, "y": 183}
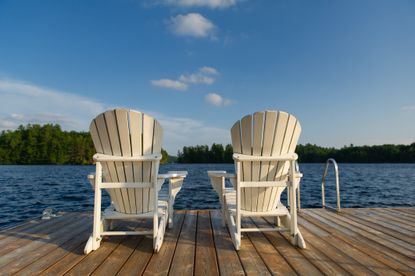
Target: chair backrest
{"x": 268, "y": 133}
{"x": 123, "y": 132}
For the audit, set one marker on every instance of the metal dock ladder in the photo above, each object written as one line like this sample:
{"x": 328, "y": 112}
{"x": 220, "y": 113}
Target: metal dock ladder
{"x": 323, "y": 182}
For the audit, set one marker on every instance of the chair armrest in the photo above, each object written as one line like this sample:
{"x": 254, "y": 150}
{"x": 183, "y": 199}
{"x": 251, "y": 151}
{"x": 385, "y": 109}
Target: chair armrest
{"x": 91, "y": 179}
{"x": 99, "y": 157}
{"x": 284, "y": 157}
{"x": 221, "y": 174}
{"x": 172, "y": 174}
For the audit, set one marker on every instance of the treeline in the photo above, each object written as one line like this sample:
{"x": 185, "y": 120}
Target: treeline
{"x": 309, "y": 153}
{"x": 47, "y": 144}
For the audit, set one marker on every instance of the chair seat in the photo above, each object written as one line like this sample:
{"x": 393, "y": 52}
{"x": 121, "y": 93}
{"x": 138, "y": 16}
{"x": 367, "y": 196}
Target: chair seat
{"x": 230, "y": 203}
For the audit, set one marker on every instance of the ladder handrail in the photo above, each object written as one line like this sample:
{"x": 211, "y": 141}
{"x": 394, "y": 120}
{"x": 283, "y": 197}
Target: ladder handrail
{"x": 323, "y": 181}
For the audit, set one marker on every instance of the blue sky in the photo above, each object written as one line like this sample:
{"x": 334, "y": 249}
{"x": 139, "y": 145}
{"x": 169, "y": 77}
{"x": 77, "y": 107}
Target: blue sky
{"x": 345, "y": 69}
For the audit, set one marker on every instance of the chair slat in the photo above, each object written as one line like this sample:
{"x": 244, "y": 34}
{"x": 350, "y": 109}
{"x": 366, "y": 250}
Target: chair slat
{"x": 246, "y": 146}
{"x": 266, "y": 194}
{"x": 148, "y": 135}
{"x": 136, "y": 133}
{"x": 257, "y": 133}
{"x": 125, "y": 144}
{"x": 98, "y": 146}
{"x": 111, "y": 123}
{"x": 106, "y": 148}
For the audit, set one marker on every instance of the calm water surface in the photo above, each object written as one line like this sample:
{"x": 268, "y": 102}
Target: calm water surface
{"x": 25, "y": 191}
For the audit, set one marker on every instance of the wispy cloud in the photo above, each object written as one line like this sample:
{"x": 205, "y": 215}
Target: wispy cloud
{"x": 213, "y": 4}
{"x": 208, "y": 70}
{"x": 191, "y": 25}
{"x": 180, "y": 132}
{"x": 408, "y": 107}
{"x": 23, "y": 103}
{"x": 217, "y": 100}
{"x": 205, "y": 75}
{"x": 170, "y": 84}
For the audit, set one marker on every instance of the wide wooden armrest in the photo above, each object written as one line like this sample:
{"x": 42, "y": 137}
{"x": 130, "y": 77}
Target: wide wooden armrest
{"x": 172, "y": 174}
{"x": 284, "y": 157}
{"x": 99, "y": 157}
{"x": 221, "y": 174}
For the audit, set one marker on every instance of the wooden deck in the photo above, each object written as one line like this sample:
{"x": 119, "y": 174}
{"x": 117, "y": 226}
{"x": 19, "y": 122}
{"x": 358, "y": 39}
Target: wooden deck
{"x": 357, "y": 241}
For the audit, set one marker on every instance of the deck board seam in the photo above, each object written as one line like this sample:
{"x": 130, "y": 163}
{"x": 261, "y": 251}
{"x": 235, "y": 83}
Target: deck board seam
{"x": 282, "y": 255}
{"x": 177, "y": 241}
{"x": 357, "y": 248}
{"x": 384, "y": 229}
{"x": 213, "y": 240}
{"x": 365, "y": 230}
{"x": 365, "y": 238}
{"x": 344, "y": 240}
{"x": 195, "y": 249}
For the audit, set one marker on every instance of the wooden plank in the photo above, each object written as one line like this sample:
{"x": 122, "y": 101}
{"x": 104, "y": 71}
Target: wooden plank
{"x": 110, "y": 172}
{"x": 360, "y": 236}
{"x": 206, "y": 262}
{"x": 22, "y": 256}
{"x": 371, "y": 249}
{"x": 228, "y": 260}
{"x": 399, "y": 215}
{"x": 373, "y": 221}
{"x": 121, "y": 116}
{"x": 275, "y": 263}
{"x": 89, "y": 263}
{"x": 268, "y": 194}
{"x": 319, "y": 258}
{"x": 148, "y": 132}
{"x": 345, "y": 254}
{"x": 55, "y": 255}
{"x": 136, "y": 129}
{"x": 138, "y": 260}
{"x": 21, "y": 227}
{"x": 248, "y": 197}
{"x": 184, "y": 256}
{"x": 389, "y": 241}
{"x": 115, "y": 261}
{"x": 276, "y": 168}
{"x": 291, "y": 254}
{"x": 385, "y": 216}
{"x": 256, "y": 193}
{"x": 159, "y": 263}
{"x": 16, "y": 238}
{"x": 114, "y": 140}
{"x": 250, "y": 259}
{"x": 409, "y": 211}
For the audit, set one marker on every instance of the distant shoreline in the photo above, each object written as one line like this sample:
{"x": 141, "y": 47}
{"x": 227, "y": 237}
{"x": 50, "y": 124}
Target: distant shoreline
{"x": 50, "y": 145}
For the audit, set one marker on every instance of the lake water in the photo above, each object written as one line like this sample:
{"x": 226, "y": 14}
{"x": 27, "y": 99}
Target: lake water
{"x": 25, "y": 191}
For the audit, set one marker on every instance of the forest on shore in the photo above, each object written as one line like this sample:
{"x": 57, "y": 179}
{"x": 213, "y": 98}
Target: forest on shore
{"x": 49, "y": 144}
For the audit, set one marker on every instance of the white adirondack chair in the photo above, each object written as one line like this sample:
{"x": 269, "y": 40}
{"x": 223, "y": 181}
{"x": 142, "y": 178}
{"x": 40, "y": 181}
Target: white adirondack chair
{"x": 264, "y": 145}
{"x": 128, "y": 145}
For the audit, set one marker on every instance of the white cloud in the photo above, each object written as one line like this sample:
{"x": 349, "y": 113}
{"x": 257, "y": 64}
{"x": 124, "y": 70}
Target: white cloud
{"x": 170, "y": 84}
{"x": 191, "y": 24}
{"x": 23, "y": 103}
{"x": 217, "y": 100}
{"x": 200, "y": 3}
{"x": 180, "y": 132}
{"x": 208, "y": 70}
{"x": 205, "y": 75}
{"x": 196, "y": 78}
